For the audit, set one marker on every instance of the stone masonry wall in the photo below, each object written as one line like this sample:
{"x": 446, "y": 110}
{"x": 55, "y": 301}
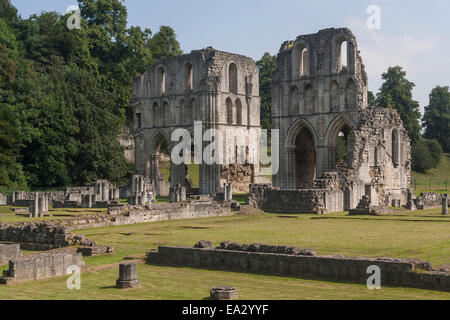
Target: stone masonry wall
{"x": 40, "y": 266}
{"x": 393, "y": 271}
{"x": 429, "y": 200}
{"x": 57, "y": 233}
{"x": 9, "y": 251}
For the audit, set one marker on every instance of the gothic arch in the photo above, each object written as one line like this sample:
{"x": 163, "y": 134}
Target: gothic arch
{"x": 229, "y": 111}
{"x": 238, "y": 111}
{"x": 335, "y": 100}
{"x": 336, "y": 54}
{"x": 300, "y": 59}
{"x": 160, "y": 80}
{"x": 156, "y": 140}
{"x": 233, "y": 78}
{"x": 308, "y": 97}
{"x": 294, "y": 100}
{"x": 188, "y": 78}
{"x": 295, "y": 129}
{"x": 350, "y": 94}
{"x": 335, "y": 127}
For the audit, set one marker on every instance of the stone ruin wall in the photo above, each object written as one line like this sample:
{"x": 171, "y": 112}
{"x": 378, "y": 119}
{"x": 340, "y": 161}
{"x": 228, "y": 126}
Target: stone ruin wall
{"x": 53, "y": 234}
{"x": 8, "y": 251}
{"x": 378, "y": 163}
{"x": 430, "y": 200}
{"x": 195, "y": 87}
{"x": 41, "y": 266}
{"x": 401, "y": 272}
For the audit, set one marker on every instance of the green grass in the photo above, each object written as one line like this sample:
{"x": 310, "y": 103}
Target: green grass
{"x": 420, "y": 235}
{"x": 435, "y": 180}
{"x": 167, "y": 283}
{"x": 241, "y": 198}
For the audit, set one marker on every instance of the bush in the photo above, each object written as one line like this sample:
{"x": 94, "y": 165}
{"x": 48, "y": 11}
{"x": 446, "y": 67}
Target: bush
{"x": 426, "y": 154}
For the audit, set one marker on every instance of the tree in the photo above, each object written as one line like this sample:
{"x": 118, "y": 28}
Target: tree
{"x": 426, "y": 154}
{"x": 64, "y": 94}
{"x": 436, "y": 119}
{"x": 8, "y": 12}
{"x": 267, "y": 66}
{"x": 396, "y": 93}
{"x": 111, "y": 15}
{"x": 164, "y": 44}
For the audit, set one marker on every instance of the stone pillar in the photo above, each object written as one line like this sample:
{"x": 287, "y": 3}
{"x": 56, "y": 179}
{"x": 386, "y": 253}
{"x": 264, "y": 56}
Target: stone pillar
{"x": 444, "y": 206}
{"x": 225, "y": 192}
{"x": 183, "y": 194}
{"x": 13, "y": 198}
{"x": 106, "y": 191}
{"x": 35, "y": 207}
{"x": 178, "y": 193}
{"x": 41, "y": 206}
{"x": 127, "y": 276}
{"x": 230, "y": 192}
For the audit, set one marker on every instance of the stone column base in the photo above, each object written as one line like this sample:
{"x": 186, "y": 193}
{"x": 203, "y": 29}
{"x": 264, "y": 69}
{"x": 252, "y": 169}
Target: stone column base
{"x": 122, "y": 284}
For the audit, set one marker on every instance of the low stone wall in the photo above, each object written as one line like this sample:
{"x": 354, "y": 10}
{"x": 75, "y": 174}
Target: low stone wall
{"x": 41, "y": 236}
{"x": 317, "y": 201}
{"x": 399, "y": 272}
{"x": 430, "y": 200}
{"x": 128, "y": 214}
{"x": 40, "y": 266}
{"x": 9, "y": 251}
{"x": 57, "y": 233}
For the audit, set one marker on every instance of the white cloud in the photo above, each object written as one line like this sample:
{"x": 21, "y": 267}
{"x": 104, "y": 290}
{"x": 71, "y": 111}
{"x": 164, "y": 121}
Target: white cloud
{"x": 422, "y": 55}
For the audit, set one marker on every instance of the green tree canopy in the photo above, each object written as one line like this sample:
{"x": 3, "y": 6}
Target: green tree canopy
{"x": 267, "y": 66}
{"x": 164, "y": 43}
{"x": 64, "y": 94}
{"x": 436, "y": 119}
{"x": 396, "y": 93}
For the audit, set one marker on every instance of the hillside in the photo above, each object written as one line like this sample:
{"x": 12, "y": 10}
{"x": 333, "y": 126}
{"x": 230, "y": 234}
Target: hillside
{"x": 435, "y": 179}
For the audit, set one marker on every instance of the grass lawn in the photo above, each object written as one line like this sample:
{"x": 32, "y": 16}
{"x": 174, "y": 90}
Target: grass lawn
{"x": 435, "y": 180}
{"x": 421, "y": 235}
{"x": 166, "y": 283}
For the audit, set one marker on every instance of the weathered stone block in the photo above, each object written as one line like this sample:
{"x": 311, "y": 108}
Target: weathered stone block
{"x": 224, "y": 293}
{"x": 127, "y": 276}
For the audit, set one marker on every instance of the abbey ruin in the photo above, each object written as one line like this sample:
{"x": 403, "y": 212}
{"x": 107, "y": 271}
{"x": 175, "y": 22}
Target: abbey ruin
{"x": 216, "y": 88}
{"x": 319, "y": 100}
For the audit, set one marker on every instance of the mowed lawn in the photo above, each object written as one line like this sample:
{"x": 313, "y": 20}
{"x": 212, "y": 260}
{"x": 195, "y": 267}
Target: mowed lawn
{"x": 420, "y": 235}
{"x": 7, "y": 214}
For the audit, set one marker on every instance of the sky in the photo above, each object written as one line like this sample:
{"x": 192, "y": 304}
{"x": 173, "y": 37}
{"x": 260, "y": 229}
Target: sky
{"x": 414, "y": 34}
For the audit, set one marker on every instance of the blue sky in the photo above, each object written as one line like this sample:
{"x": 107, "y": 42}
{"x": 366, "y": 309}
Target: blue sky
{"x": 414, "y": 34}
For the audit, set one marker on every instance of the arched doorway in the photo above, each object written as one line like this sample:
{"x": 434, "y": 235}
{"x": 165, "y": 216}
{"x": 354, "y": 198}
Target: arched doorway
{"x": 161, "y": 165}
{"x": 305, "y": 159}
{"x": 340, "y": 144}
